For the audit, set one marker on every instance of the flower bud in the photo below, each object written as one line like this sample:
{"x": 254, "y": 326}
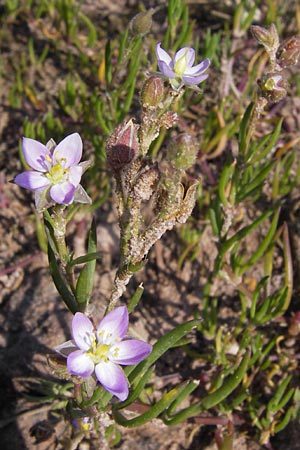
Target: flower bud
{"x": 183, "y": 152}
{"x": 288, "y": 52}
{"x": 152, "y": 92}
{"x": 122, "y": 146}
{"x": 268, "y": 37}
{"x": 273, "y": 86}
{"x": 142, "y": 22}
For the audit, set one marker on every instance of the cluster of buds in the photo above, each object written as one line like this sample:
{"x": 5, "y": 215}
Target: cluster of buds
{"x": 140, "y": 179}
{"x": 273, "y": 85}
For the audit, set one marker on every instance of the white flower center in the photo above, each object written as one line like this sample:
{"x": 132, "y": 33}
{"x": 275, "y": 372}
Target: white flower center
{"x": 57, "y": 172}
{"x": 101, "y": 352}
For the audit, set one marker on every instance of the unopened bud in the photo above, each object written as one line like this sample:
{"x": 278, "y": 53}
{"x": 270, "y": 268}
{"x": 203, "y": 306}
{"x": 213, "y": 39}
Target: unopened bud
{"x": 122, "y": 146}
{"x": 288, "y": 52}
{"x": 152, "y": 92}
{"x": 142, "y": 22}
{"x": 183, "y": 152}
{"x": 268, "y": 37}
{"x": 273, "y": 87}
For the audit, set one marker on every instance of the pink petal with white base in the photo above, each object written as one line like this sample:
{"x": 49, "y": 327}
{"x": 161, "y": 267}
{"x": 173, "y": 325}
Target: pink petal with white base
{"x": 79, "y": 364}
{"x": 75, "y": 175}
{"x": 82, "y": 331}
{"x": 32, "y": 180}
{"x": 62, "y": 193}
{"x": 112, "y": 379}
{"x": 130, "y": 351}
{"x": 199, "y": 69}
{"x": 188, "y": 53}
{"x": 69, "y": 148}
{"x": 162, "y": 55}
{"x": 35, "y": 154}
{"x": 114, "y": 325}
{"x": 194, "y": 80}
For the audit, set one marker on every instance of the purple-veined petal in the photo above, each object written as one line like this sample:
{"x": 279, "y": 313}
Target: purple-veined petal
{"x": 162, "y": 55}
{"x": 75, "y": 175}
{"x": 70, "y": 149}
{"x": 113, "y": 326}
{"x": 130, "y": 351}
{"x": 188, "y": 53}
{"x": 112, "y": 379}
{"x": 78, "y": 363}
{"x": 194, "y": 80}
{"x": 32, "y": 180}
{"x": 35, "y": 154}
{"x": 199, "y": 69}
{"x": 166, "y": 70}
{"x": 82, "y": 331}
{"x": 62, "y": 193}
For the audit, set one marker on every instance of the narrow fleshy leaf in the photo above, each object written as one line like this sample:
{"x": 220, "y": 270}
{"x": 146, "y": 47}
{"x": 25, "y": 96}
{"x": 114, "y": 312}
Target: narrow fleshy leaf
{"x": 60, "y": 284}
{"x": 84, "y": 286}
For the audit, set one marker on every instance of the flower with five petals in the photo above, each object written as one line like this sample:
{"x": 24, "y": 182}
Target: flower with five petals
{"x": 104, "y": 349}
{"x": 56, "y": 173}
{"x": 180, "y": 70}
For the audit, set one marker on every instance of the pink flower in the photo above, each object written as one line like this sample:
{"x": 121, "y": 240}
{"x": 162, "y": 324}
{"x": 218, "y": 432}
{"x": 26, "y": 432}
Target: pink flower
{"x": 180, "y": 70}
{"x": 103, "y": 350}
{"x": 56, "y": 173}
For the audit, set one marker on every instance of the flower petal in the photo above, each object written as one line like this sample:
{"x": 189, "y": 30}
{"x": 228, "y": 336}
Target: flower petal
{"x": 194, "y": 80}
{"x": 82, "y": 331}
{"x": 69, "y": 148}
{"x": 75, "y": 175}
{"x": 32, "y": 180}
{"x": 63, "y": 193}
{"x": 35, "y": 154}
{"x": 112, "y": 379}
{"x": 130, "y": 351}
{"x": 113, "y": 326}
{"x": 188, "y": 53}
{"x": 199, "y": 69}
{"x": 162, "y": 55}
{"x": 78, "y": 363}
{"x": 166, "y": 70}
